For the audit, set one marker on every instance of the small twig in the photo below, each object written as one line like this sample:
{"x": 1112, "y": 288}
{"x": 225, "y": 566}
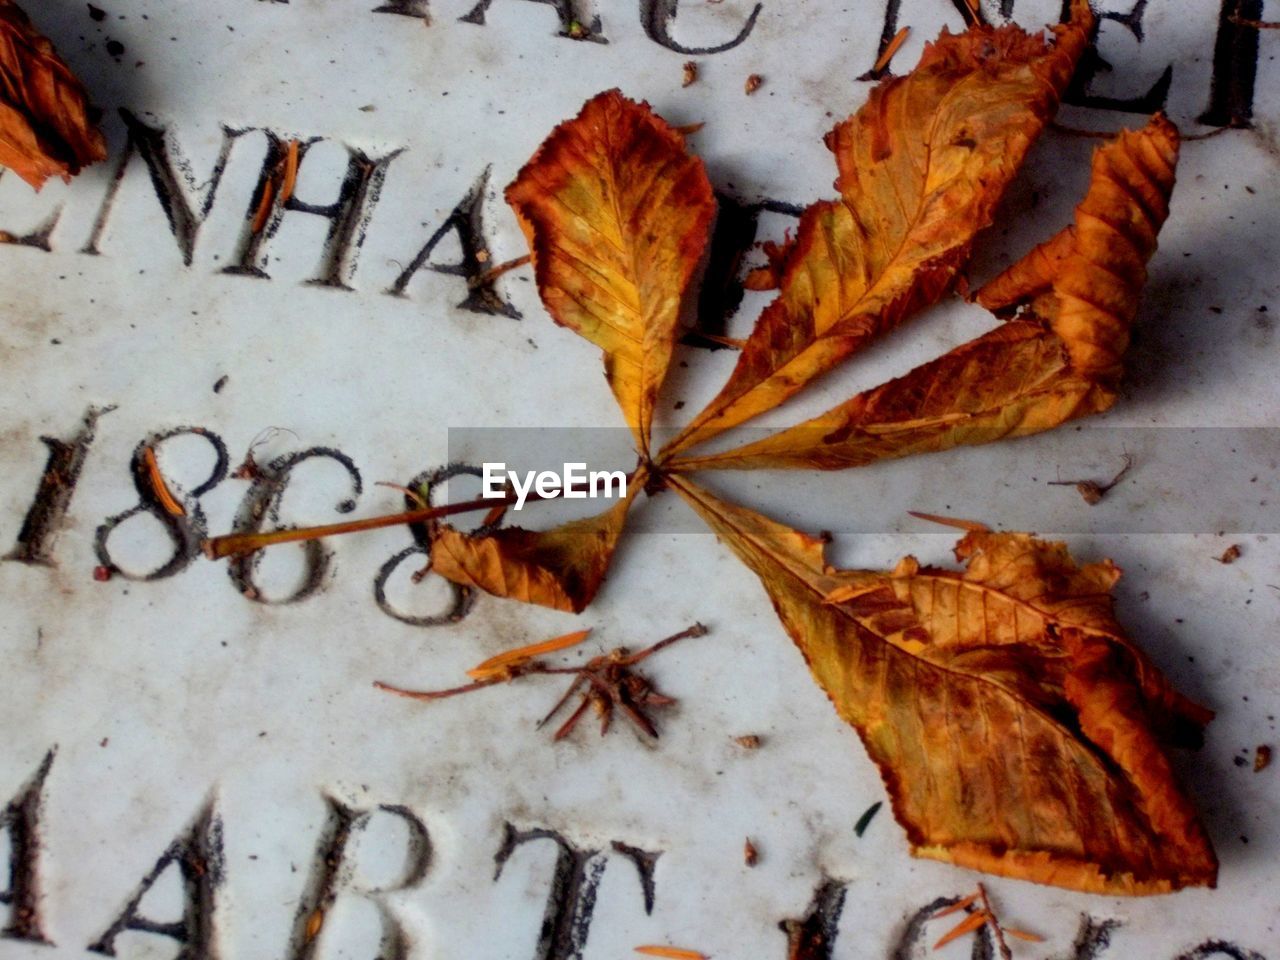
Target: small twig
{"x": 1254, "y": 24}
{"x": 975, "y": 16}
{"x": 573, "y": 688}
{"x": 436, "y": 694}
{"x": 238, "y": 544}
{"x": 697, "y": 630}
{"x": 412, "y": 494}
{"x": 733, "y": 343}
{"x": 977, "y": 919}
{"x": 1091, "y": 490}
{"x": 481, "y": 279}
{"x": 609, "y": 679}
{"x": 894, "y": 46}
{"x": 1005, "y": 952}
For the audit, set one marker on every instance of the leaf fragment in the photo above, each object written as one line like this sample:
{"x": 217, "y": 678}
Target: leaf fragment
{"x": 671, "y": 953}
{"x": 561, "y": 568}
{"x": 864, "y": 821}
{"x": 45, "y": 130}
{"x": 922, "y": 166}
{"x": 617, "y": 215}
{"x": 970, "y": 923}
{"x": 1017, "y": 728}
{"x": 500, "y": 665}
{"x": 1060, "y": 359}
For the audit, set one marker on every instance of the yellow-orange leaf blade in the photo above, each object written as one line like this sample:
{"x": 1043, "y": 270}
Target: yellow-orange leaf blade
{"x": 45, "y": 130}
{"x": 617, "y": 213}
{"x": 561, "y": 568}
{"x": 671, "y": 953}
{"x": 922, "y": 166}
{"x": 969, "y": 924}
{"x": 1012, "y": 734}
{"x": 1057, "y": 361}
{"x": 499, "y": 665}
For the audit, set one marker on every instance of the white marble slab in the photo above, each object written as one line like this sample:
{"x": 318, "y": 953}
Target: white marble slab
{"x": 179, "y": 708}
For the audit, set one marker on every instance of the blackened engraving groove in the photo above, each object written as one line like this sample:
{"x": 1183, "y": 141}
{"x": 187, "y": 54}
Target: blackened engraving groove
{"x": 261, "y": 504}
{"x": 21, "y": 818}
{"x": 1092, "y": 63}
{"x": 1092, "y": 938}
{"x": 889, "y": 29}
{"x": 466, "y": 220}
{"x": 813, "y": 937}
{"x": 53, "y": 495}
{"x": 1235, "y": 66}
{"x": 1223, "y": 948}
{"x": 574, "y": 23}
{"x": 574, "y": 884}
{"x": 645, "y": 862}
{"x": 658, "y": 16}
{"x": 173, "y": 181}
{"x": 464, "y": 598}
{"x": 332, "y": 871}
{"x": 199, "y": 856}
{"x": 406, "y": 8}
{"x": 185, "y": 532}
{"x": 348, "y": 215}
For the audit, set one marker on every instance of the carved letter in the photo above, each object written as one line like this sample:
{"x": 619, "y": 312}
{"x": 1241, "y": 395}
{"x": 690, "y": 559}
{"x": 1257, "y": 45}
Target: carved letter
{"x": 53, "y": 495}
{"x": 657, "y": 17}
{"x": 1235, "y": 65}
{"x": 332, "y": 874}
{"x": 467, "y": 222}
{"x": 1092, "y": 63}
{"x": 575, "y": 25}
{"x": 571, "y": 902}
{"x": 184, "y": 203}
{"x": 911, "y": 944}
{"x": 198, "y": 855}
{"x": 889, "y": 30}
{"x": 185, "y": 530}
{"x": 1214, "y": 948}
{"x": 406, "y": 8}
{"x": 1092, "y": 938}
{"x": 262, "y": 503}
{"x": 348, "y": 215}
{"x": 813, "y": 937}
{"x": 21, "y": 819}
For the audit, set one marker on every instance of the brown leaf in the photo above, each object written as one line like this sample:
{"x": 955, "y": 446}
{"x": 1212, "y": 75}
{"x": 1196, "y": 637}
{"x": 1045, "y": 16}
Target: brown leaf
{"x": 1014, "y": 723}
{"x": 45, "y": 130}
{"x": 561, "y": 568}
{"x": 617, "y": 216}
{"x": 922, "y": 166}
{"x": 1059, "y": 360}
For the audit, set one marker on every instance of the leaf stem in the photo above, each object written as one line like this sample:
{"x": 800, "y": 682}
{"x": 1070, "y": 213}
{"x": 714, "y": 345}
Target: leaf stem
{"x": 239, "y": 544}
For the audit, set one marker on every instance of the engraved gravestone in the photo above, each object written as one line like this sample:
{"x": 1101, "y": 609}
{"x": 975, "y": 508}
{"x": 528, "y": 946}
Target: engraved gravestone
{"x": 194, "y": 761}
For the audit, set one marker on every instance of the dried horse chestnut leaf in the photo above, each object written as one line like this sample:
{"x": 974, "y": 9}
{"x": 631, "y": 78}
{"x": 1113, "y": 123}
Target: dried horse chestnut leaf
{"x": 45, "y": 129}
